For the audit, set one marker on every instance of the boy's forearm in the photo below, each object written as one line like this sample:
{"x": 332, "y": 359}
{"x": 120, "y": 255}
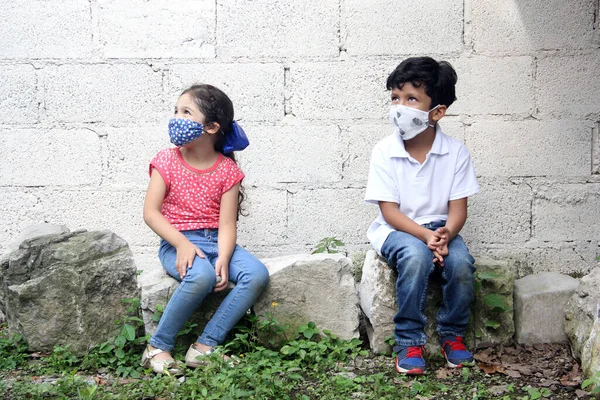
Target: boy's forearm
{"x": 397, "y": 220}
{"x": 457, "y": 216}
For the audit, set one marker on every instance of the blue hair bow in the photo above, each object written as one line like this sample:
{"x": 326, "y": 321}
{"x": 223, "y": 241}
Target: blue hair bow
{"x": 236, "y": 140}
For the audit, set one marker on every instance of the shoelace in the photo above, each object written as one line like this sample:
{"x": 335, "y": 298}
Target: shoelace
{"x": 455, "y": 344}
{"x": 414, "y": 351}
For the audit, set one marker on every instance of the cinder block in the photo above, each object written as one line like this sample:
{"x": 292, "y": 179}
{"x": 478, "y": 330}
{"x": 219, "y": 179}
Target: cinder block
{"x": 118, "y": 211}
{"x": 159, "y": 28}
{"x": 79, "y": 162}
{"x": 18, "y": 94}
{"x": 500, "y": 213}
{"x": 540, "y": 302}
{"x": 339, "y": 90}
{"x": 374, "y": 27}
{"x": 267, "y": 28}
{"x": 45, "y": 29}
{"x": 596, "y": 149}
{"x": 534, "y": 256}
{"x": 146, "y": 261}
{"x": 519, "y": 27}
{"x": 515, "y": 148}
{"x": 319, "y": 213}
{"x": 569, "y": 85}
{"x": 19, "y": 209}
{"x": 360, "y": 138}
{"x": 566, "y": 211}
{"x": 317, "y": 154}
{"x": 130, "y": 151}
{"x": 266, "y": 222}
{"x": 508, "y": 90}
{"x": 256, "y": 90}
{"x": 118, "y": 93}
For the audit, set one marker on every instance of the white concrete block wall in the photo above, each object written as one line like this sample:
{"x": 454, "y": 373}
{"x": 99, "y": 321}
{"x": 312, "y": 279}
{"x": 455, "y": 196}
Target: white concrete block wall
{"x": 87, "y": 88}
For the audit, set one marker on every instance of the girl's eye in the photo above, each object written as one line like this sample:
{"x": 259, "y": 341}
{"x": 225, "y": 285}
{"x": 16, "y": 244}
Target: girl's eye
{"x": 412, "y": 99}
{"x": 187, "y": 112}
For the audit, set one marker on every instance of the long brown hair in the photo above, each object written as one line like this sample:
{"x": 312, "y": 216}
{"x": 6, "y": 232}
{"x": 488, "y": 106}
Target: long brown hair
{"x": 217, "y": 107}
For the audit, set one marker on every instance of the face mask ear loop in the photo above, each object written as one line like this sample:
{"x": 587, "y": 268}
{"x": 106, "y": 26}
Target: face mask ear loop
{"x": 431, "y": 126}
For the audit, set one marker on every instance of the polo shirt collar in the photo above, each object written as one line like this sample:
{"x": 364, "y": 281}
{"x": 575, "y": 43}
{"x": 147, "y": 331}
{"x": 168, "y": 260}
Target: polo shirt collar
{"x": 439, "y": 146}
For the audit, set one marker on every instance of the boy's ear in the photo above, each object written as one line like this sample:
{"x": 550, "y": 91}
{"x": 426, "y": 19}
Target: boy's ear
{"x": 212, "y": 128}
{"x": 438, "y": 113}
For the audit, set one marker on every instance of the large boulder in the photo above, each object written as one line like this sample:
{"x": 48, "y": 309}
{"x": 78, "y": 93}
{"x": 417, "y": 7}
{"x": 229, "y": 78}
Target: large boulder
{"x": 582, "y": 325}
{"x": 318, "y": 288}
{"x": 491, "y": 316}
{"x": 67, "y": 289}
{"x": 540, "y": 301}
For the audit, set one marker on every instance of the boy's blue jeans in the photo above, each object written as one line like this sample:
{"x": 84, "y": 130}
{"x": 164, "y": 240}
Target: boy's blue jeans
{"x": 414, "y": 262}
{"x": 245, "y": 270}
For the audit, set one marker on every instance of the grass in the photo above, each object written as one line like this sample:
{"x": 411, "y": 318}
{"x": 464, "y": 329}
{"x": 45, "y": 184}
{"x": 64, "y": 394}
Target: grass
{"x": 311, "y": 366}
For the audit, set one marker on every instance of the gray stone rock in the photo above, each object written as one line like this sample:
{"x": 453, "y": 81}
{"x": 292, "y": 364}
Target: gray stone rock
{"x": 540, "y": 302}
{"x": 67, "y": 288}
{"x": 489, "y": 324}
{"x": 582, "y": 325}
{"x": 158, "y": 287}
{"x": 31, "y": 232}
{"x": 377, "y": 293}
{"x": 318, "y": 288}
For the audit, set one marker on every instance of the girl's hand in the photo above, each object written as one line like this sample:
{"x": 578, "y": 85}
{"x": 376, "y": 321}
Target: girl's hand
{"x": 186, "y": 252}
{"x": 222, "y": 270}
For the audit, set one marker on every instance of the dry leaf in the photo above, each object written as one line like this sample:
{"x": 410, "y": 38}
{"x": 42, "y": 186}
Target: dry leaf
{"x": 512, "y": 374}
{"x": 490, "y": 368}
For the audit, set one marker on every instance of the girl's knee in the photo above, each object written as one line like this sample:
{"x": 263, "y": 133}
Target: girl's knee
{"x": 202, "y": 278}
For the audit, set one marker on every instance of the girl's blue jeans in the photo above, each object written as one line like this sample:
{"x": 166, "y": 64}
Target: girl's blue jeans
{"x": 414, "y": 262}
{"x": 245, "y": 270}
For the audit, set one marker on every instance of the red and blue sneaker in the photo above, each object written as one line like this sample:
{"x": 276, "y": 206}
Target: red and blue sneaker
{"x": 455, "y": 352}
{"x": 410, "y": 360}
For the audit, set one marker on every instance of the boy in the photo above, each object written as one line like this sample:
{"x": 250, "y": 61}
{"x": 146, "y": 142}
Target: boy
{"x": 421, "y": 178}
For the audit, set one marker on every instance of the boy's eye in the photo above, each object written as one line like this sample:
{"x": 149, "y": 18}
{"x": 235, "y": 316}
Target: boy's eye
{"x": 412, "y": 98}
{"x": 187, "y": 112}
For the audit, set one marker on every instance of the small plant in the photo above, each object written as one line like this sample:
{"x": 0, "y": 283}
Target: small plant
{"x": 123, "y": 352}
{"x": 328, "y": 245}
{"x": 61, "y": 358}
{"x": 592, "y": 383}
{"x": 12, "y": 350}
{"x": 494, "y": 302}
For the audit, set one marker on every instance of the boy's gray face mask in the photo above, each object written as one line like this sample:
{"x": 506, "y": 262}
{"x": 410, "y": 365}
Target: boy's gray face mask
{"x": 409, "y": 122}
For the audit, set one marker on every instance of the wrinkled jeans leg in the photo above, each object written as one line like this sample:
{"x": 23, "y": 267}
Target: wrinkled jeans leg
{"x": 414, "y": 262}
{"x": 457, "y": 290}
{"x": 197, "y": 283}
{"x": 251, "y": 278}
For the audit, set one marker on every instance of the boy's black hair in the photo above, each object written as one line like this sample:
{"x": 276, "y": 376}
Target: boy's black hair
{"x": 437, "y": 78}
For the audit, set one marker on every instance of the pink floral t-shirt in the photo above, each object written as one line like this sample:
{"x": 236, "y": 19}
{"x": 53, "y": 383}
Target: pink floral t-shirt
{"x": 193, "y": 197}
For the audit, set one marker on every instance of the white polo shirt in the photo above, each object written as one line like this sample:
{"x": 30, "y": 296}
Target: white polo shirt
{"x": 421, "y": 191}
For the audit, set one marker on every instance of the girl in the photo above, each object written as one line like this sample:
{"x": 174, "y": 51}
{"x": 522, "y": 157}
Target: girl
{"x": 192, "y": 203}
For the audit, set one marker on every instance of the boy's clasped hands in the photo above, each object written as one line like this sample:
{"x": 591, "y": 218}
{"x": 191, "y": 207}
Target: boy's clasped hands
{"x": 437, "y": 242}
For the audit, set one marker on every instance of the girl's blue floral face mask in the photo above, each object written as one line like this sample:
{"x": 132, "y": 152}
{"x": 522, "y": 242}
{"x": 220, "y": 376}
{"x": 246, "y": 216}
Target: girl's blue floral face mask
{"x": 183, "y": 131}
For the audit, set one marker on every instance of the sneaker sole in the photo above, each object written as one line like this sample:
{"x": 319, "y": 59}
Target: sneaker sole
{"x": 413, "y": 371}
{"x": 452, "y": 365}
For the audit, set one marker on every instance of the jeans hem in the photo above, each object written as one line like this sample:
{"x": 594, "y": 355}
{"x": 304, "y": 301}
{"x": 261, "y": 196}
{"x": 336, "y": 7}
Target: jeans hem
{"x": 451, "y": 333}
{"x": 161, "y": 346}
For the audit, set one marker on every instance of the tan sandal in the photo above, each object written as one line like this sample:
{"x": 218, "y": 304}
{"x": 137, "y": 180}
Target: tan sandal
{"x": 170, "y": 367}
{"x": 194, "y": 357}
